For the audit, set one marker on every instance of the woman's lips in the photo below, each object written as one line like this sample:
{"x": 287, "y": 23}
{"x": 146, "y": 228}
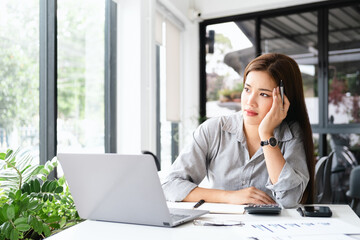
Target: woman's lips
{"x": 250, "y": 113}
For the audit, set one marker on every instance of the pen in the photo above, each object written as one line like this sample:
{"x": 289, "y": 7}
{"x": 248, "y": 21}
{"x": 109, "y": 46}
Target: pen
{"x": 282, "y": 91}
{"x": 300, "y": 211}
{"x": 199, "y": 203}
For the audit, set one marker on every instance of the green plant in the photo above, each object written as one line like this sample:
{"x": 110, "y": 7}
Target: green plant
{"x": 31, "y": 205}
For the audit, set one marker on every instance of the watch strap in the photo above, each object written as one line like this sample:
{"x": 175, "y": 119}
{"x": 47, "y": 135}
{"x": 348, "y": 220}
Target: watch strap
{"x": 272, "y": 141}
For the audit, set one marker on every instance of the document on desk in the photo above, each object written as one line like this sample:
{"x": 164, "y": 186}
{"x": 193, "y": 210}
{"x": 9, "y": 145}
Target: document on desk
{"x": 301, "y": 237}
{"x": 304, "y": 227}
{"x": 218, "y": 208}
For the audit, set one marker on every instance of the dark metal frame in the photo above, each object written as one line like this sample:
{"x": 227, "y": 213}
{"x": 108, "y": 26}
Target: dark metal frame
{"x": 322, "y": 8}
{"x": 110, "y": 76}
{"x": 48, "y": 79}
{"x": 158, "y": 123}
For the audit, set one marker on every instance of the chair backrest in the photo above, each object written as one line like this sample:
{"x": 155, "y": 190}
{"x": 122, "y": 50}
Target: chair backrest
{"x": 343, "y": 162}
{"x": 354, "y": 190}
{"x": 157, "y": 162}
{"x": 323, "y": 179}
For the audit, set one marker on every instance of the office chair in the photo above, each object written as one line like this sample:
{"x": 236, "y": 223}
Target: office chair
{"x": 323, "y": 179}
{"x": 343, "y": 162}
{"x": 354, "y": 191}
{"x": 157, "y": 162}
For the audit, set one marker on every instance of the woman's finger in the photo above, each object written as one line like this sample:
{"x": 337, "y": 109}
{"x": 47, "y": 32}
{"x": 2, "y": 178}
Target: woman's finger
{"x": 260, "y": 195}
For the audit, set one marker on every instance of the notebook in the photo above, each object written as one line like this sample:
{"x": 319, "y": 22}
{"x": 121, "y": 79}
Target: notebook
{"x": 120, "y": 188}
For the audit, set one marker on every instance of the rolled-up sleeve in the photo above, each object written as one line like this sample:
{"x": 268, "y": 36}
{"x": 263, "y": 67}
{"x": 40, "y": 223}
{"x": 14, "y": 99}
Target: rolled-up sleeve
{"x": 294, "y": 177}
{"x": 189, "y": 169}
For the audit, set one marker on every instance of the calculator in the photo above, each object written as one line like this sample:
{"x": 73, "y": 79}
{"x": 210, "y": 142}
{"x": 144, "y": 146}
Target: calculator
{"x": 263, "y": 209}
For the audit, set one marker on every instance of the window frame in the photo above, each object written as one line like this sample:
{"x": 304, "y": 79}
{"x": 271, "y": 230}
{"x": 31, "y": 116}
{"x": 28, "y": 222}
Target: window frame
{"x": 322, "y": 8}
{"x": 48, "y": 79}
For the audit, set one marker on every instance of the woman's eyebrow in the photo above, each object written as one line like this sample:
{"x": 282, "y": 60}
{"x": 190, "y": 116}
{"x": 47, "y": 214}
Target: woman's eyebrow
{"x": 265, "y": 90}
{"x": 260, "y": 89}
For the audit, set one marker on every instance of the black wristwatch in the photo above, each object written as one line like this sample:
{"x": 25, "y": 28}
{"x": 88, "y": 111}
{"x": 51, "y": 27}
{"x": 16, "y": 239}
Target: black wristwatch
{"x": 272, "y": 142}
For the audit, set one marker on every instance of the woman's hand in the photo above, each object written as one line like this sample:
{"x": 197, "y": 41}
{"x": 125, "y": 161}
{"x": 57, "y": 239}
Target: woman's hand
{"x": 275, "y": 116}
{"x": 249, "y": 195}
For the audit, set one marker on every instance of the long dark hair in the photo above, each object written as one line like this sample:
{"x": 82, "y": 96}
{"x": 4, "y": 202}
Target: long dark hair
{"x": 282, "y": 67}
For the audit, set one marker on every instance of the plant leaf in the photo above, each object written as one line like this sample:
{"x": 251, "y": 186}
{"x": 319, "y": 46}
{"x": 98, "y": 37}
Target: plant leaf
{"x": 7, "y": 227}
{"x": 45, "y": 198}
{"x": 46, "y": 230}
{"x": 61, "y": 181}
{"x": 14, "y": 235}
{"x": 37, "y": 225}
{"x": 44, "y": 186}
{"x": 10, "y": 213}
{"x": 52, "y": 219}
{"x": 8, "y": 153}
{"x": 18, "y": 194}
{"x": 23, "y": 227}
{"x": 26, "y": 188}
{"x": 36, "y": 185}
{"x": 59, "y": 189}
{"x": 32, "y": 205}
{"x": 12, "y": 195}
{"x": 20, "y": 220}
{"x": 52, "y": 186}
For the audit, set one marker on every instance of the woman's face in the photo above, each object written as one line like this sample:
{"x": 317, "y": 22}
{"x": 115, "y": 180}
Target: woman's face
{"x": 257, "y": 97}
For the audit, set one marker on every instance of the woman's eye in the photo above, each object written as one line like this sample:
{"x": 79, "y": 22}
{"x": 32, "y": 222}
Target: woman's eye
{"x": 246, "y": 89}
{"x": 264, "y": 95}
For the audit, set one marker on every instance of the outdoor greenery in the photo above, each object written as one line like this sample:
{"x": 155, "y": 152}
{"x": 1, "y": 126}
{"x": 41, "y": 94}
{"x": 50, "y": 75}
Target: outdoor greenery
{"x": 231, "y": 95}
{"x": 80, "y": 76}
{"x": 31, "y": 205}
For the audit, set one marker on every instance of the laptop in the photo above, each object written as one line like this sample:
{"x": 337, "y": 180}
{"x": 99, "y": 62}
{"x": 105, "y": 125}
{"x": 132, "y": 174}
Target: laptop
{"x": 120, "y": 188}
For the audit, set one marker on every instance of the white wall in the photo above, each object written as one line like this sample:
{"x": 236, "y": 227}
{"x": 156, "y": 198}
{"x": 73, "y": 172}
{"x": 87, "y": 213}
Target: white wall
{"x": 136, "y": 76}
{"x": 136, "y": 69}
{"x": 221, "y": 8}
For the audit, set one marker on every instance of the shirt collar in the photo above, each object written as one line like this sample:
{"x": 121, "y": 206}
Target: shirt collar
{"x": 234, "y": 125}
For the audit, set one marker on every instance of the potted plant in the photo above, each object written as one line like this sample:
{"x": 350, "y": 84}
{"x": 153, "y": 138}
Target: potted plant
{"x": 31, "y": 205}
{"x": 225, "y": 95}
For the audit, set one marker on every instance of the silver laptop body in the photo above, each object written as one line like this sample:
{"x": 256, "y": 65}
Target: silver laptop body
{"x": 120, "y": 188}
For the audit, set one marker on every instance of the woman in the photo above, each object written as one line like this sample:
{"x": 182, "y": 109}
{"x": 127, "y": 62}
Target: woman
{"x": 260, "y": 155}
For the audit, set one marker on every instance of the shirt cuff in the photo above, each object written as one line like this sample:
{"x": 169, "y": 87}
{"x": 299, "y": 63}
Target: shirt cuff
{"x": 176, "y": 190}
{"x": 289, "y": 188}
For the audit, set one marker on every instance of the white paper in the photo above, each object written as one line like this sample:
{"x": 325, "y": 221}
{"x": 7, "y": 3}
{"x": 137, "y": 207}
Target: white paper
{"x": 302, "y": 237}
{"x": 219, "y": 208}
{"x": 314, "y": 226}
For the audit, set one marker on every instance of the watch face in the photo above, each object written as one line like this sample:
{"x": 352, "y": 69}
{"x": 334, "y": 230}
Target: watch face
{"x": 272, "y": 141}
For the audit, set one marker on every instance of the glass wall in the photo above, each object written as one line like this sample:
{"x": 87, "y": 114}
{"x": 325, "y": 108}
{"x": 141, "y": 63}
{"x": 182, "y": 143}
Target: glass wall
{"x": 344, "y": 65}
{"x": 230, "y": 48}
{"x": 80, "y": 124}
{"x": 330, "y": 68}
{"x": 19, "y": 76}
{"x": 296, "y": 36}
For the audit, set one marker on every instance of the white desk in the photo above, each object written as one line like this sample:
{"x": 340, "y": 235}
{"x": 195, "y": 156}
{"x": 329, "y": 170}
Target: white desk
{"x": 91, "y": 230}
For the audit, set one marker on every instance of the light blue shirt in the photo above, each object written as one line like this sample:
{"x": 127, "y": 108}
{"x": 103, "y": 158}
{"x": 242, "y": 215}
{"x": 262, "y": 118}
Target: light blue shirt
{"x": 219, "y": 151}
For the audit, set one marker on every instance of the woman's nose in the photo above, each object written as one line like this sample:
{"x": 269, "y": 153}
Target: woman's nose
{"x": 251, "y": 99}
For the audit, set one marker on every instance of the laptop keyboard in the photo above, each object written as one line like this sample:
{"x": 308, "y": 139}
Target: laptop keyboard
{"x": 177, "y": 217}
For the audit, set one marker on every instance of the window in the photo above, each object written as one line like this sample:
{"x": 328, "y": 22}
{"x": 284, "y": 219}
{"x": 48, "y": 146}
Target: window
{"x": 324, "y": 40}
{"x": 296, "y": 36}
{"x": 52, "y": 63}
{"x": 19, "y": 74}
{"x": 168, "y": 74}
{"x": 80, "y": 83}
{"x": 344, "y": 65}
{"x": 229, "y": 50}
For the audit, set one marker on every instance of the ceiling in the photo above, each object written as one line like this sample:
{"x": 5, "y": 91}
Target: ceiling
{"x": 297, "y": 35}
